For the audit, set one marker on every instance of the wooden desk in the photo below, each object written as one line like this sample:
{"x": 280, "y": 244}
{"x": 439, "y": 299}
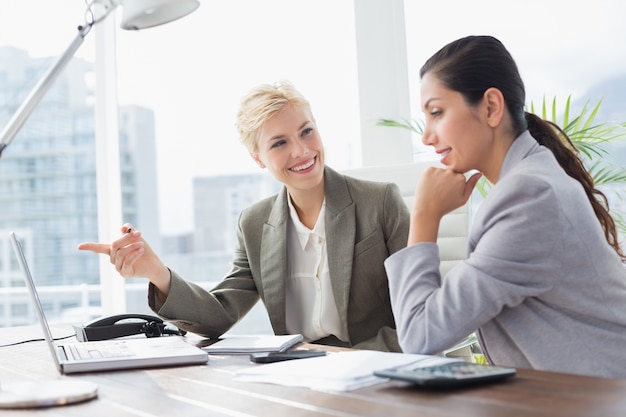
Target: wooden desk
{"x": 209, "y": 390}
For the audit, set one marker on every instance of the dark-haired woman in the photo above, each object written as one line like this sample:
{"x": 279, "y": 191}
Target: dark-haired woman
{"x": 544, "y": 284}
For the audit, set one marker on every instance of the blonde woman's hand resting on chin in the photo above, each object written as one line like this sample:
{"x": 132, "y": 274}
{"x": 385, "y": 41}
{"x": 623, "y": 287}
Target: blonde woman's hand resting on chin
{"x": 439, "y": 191}
{"x": 133, "y": 257}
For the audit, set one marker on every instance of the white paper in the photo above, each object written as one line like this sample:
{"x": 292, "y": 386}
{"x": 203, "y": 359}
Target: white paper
{"x": 339, "y": 371}
{"x": 253, "y": 343}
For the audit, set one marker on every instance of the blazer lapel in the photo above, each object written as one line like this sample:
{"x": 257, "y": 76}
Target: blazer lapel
{"x": 274, "y": 262}
{"x": 340, "y": 232}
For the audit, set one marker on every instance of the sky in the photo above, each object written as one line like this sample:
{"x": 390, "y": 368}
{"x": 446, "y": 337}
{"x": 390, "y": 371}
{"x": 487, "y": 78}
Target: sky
{"x": 194, "y": 71}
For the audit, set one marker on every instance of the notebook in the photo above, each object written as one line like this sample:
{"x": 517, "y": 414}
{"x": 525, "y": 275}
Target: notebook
{"x": 254, "y": 343}
{"x": 112, "y": 354}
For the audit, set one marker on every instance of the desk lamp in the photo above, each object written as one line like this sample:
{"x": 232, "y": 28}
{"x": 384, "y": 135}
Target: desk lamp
{"x": 136, "y": 14}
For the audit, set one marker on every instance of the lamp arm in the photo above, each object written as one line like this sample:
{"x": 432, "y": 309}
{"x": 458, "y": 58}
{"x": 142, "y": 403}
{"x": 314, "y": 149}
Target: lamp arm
{"x": 39, "y": 90}
{"x": 174, "y": 8}
{"x": 43, "y": 85}
{"x": 34, "y": 97}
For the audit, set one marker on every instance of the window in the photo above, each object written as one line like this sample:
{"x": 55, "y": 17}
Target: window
{"x": 40, "y": 201}
{"x": 178, "y": 102}
{"x": 179, "y": 87}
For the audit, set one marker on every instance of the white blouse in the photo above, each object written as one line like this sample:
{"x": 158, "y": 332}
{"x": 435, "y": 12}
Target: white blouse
{"x": 311, "y": 308}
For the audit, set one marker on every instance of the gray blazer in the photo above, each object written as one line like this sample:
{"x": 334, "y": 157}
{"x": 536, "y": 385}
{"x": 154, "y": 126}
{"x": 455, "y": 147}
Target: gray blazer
{"x": 365, "y": 223}
{"x": 541, "y": 284}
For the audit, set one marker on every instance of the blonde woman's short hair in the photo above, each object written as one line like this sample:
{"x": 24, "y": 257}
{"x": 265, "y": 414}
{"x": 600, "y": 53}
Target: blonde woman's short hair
{"x": 260, "y": 104}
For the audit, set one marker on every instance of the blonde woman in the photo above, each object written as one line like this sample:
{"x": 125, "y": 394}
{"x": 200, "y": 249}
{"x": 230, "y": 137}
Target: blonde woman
{"x": 313, "y": 253}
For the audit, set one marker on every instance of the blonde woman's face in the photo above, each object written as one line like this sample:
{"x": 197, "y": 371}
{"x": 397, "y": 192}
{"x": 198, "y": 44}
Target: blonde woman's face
{"x": 290, "y": 147}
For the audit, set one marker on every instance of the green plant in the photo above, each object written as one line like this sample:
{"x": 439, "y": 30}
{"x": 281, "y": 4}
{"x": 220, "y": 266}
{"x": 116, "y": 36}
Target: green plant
{"x": 415, "y": 126}
{"x": 589, "y": 137}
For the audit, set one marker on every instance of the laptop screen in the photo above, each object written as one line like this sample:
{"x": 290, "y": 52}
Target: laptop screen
{"x": 30, "y": 284}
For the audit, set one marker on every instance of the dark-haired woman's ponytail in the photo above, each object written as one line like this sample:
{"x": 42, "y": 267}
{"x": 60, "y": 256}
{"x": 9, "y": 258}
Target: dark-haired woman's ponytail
{"x": 554, "y": 138}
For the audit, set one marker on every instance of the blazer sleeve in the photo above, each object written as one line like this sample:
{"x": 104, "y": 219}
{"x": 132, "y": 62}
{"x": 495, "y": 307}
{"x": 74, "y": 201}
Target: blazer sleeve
{"x": 514, "y": 244}
{"x": 210, "y": 313}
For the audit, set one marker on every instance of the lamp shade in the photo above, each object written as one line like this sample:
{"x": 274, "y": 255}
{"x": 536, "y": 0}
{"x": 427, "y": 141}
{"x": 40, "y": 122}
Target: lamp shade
{"x": 141, "y": 14}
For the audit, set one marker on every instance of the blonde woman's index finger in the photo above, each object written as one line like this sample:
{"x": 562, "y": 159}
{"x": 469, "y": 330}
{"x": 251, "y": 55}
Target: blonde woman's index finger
{"x": 102, "y": 248}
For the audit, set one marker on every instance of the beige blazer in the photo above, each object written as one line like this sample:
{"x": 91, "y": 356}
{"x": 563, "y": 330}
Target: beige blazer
{"x": 365, "y": 223}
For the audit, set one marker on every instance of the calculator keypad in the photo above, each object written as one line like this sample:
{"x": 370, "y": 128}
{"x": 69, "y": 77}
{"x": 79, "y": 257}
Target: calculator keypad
{"x": 459, "y": 370}
{"x": 450, "y": 374}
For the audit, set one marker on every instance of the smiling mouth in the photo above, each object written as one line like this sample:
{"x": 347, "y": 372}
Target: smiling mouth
{"x": 308, "y": 164}
{"x": 444, "y": 153}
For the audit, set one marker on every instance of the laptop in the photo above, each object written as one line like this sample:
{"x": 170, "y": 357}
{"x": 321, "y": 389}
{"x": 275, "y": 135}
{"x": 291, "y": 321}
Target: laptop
{"x": 112, "y": 354}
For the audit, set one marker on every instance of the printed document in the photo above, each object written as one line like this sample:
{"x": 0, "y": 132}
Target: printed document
{"x": 338, "y": 371}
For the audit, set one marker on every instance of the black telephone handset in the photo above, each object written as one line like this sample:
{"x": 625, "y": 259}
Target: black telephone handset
{"x": 125, "y": 325}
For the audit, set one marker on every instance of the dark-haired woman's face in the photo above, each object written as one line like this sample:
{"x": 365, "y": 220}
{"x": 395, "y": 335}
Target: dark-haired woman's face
{"x": 457, "y": 132}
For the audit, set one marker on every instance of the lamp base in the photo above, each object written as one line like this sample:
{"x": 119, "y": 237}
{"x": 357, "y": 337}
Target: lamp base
{"x": 38, "y": 394}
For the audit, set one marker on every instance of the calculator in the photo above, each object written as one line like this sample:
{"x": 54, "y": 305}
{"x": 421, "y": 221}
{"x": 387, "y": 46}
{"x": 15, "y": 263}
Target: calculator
{"x": 448, "y": 375}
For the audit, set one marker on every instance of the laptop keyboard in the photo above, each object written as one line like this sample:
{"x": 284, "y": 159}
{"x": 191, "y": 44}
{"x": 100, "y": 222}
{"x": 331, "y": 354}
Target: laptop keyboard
{"x": 82, "y": 351}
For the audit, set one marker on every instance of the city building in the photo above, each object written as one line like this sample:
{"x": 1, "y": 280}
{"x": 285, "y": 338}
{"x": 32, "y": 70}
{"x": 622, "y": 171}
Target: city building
{"x": 218, "y": 201}
{"x": 48, "y": 186}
